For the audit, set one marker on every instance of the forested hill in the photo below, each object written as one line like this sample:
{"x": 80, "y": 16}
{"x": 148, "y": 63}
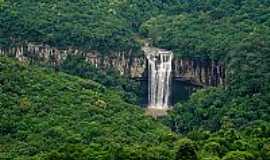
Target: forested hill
{"x": 210, "y": 28}
{"x": 55, "y": 116}
{"x": 51, "y": 115}
{"x": 193, "y": 28}
{"x": 102, "y": 25}
{"x": 47, "y": 115}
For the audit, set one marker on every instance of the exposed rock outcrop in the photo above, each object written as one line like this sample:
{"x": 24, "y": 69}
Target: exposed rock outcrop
{"x": 201, "y": 71}
{"x": 197, "y": 71}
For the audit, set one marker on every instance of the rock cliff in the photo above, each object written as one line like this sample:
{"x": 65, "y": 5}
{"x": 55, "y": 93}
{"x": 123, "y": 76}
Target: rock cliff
{"x": 196, "y": 71}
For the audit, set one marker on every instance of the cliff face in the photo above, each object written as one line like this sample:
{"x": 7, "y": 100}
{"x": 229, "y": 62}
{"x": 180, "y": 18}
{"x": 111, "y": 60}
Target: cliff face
{"x": 125, "y": 63}
{"x": 199, "y": 71}
{"x": 196, "y": 71}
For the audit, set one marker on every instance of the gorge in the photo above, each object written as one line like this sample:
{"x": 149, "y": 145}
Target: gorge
{"x": 134, "y": 80}
{"x": 186, "y": 73}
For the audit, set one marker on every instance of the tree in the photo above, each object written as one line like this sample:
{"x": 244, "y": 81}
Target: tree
{"x": 238, "y": 155}
{"x": 186, "y": 150}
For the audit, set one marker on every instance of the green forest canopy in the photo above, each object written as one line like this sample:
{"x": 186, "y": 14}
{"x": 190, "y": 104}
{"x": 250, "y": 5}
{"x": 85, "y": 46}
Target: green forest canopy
{"x": 52, "y": 115}
{"x": 101, "y": 25}
{"x": 228, "y": 123}
{"x": 57, "y": 116}
{"x": 191, "y": 28}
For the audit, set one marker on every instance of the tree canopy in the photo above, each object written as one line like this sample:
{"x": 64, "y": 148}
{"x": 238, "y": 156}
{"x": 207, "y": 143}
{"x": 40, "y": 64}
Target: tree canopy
{"x": 48, "y": 115}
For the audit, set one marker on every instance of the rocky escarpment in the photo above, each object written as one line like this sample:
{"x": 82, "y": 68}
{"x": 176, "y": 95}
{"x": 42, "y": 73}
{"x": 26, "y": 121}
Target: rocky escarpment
{"x": 199, "y": 71}
{"x": 196, "y": 71}
{"x": 124, "y": 62}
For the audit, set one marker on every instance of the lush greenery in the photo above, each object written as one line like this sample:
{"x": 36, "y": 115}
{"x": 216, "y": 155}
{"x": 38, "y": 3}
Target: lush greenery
{"x": 222, "y": 123}
{"x": 245, "y": 99}
{"x": 128, "y": 89}
{"x": 211, "y": 28}
{"x": 97, "y": 25}
{"x": 52, "y": 115}
{"x": 229, "y": 122}
{"x": 192, "y": 28}
{"x": 84, "y": 24}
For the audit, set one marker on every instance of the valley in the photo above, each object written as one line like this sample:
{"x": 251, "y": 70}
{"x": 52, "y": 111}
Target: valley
{"x": 135, "y": 80}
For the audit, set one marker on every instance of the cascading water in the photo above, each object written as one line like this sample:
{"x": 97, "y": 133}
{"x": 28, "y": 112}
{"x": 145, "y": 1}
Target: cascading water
{"x": 159, "y": 77}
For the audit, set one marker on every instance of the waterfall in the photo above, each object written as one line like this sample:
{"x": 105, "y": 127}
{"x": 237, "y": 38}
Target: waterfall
{"x": 159, "y": 77}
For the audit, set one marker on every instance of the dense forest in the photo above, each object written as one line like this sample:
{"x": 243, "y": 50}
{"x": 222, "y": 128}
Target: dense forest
{"x": 51, "y": 115}
{"x": 81, "y": 112}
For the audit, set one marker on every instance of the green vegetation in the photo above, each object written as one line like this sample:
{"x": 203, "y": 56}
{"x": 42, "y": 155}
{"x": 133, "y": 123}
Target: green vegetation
{"x": 96, "y": 25}
{"x": 194, "y": 28}
{"x": 47, "y": 115}
{"x": 53, "y": 115}
{"x": 231, "y": 122}
{"x": 209, "y": 29}
{"x": 127, "y": 88}
{"x": 84, "y": 24}
{"x": 235, "y": 119}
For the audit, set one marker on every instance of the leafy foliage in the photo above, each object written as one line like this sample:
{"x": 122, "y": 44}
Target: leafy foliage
{"x": 47, "y": 115}
{"x": 230, "y": 122}
{"x": 186, "y": 150}
{"x": 208, "y": 28}
{"x": 129, "y": 89}
{"x": 97, "y": 25}
{"x": 65, "y": 23}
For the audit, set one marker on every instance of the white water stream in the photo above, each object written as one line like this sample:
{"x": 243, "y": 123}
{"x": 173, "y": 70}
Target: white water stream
{"x": 159, "y": 77}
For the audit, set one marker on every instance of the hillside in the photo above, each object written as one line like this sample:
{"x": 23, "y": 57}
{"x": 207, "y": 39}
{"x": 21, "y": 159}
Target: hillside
{"x": 193, "y": 28}
{"x": 51, "y": 115}
{"x": 97, "y": 25}
{"x": 210, "y": 29}
{"x": 79, "y": 111}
